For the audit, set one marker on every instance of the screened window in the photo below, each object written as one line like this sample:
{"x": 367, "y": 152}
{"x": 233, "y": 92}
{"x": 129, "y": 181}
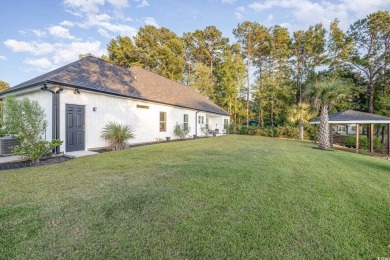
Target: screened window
{"x": 163, "y": 121}
{"x": 185, "y": 121}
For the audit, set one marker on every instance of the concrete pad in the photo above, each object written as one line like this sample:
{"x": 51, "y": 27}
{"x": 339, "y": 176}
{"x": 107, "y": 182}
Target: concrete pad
{"x": 12, "y": 158}
{"x": 78, "y": 154}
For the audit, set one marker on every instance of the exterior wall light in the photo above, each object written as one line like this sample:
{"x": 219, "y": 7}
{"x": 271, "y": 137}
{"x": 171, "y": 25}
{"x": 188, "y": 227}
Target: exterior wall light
{"x": 76, "y": 92}
{"x": 94, "y": 109}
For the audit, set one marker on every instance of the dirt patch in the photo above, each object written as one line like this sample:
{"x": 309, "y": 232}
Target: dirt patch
{"x": 25, "y": 164}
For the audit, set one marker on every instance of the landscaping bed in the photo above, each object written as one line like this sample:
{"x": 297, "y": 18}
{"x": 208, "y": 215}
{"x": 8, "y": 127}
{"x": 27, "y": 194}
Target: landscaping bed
{"x": 25, "y": 164}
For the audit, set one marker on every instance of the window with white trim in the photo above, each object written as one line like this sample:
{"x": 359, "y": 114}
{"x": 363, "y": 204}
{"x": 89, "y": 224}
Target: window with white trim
{"x": 201, "y": 120}
{"x": 185, "y": 121}
{"x": 226, "y": 124}
{"x": 163, "y": 121}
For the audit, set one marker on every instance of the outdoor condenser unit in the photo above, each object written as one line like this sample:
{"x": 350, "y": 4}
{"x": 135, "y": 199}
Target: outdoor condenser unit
{"x": 6, "y": 143}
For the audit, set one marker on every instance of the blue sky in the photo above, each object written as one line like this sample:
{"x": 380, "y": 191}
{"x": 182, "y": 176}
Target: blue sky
{"x": 37, "y": 36}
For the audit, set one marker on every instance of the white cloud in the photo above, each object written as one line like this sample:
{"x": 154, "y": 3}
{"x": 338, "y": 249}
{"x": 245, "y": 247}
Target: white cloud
{"x": 67, "y": 23}
{"x": 150, "y": 21}
{"x": 143, "y": 3}
{"x": 38, "y": 33}
{"x": 228, "y": 2}
{"x": 119, "y": 4}
{"x": 239, "y": 12}
{"x": 41, "y": 64}
{"x": 60, "y": 32}
{"x": 104, "y": 33}
{"x": 86, "y": 6}
{"x": 33, "y": 47}
{"x": 310, "y": 12}
{"x": 70, "y": 52}
{"x": 60, "y": 53}
{"x": 3, "y": 57}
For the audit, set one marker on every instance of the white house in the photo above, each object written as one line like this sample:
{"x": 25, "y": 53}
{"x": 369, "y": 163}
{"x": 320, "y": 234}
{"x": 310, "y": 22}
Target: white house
{"x": 81, "y": 97}
{"x": 347, "y": 129}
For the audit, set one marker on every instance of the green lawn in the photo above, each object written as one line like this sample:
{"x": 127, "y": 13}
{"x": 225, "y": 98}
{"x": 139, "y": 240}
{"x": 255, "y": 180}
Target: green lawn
{"x": 226, "y": 197}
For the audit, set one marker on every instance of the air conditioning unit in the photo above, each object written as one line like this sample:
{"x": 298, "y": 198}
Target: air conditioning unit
{"x": 6, "y": 143}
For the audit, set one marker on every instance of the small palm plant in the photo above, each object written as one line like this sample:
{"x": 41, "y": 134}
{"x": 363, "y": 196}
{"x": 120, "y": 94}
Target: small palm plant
{"x": 301, "y": 114}
{"x": 117, "y": 135}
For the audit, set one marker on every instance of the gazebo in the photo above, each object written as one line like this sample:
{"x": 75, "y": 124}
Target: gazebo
{"x": 358, "y": 118}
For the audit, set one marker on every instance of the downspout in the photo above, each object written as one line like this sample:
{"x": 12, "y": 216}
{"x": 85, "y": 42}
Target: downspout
{"x": 55, "y": 114}
{"x": 196, "y": 123}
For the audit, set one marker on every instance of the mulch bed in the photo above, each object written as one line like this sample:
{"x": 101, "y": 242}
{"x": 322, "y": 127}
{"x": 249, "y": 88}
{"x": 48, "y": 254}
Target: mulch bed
{"x": 353, "y": 150}
{"x": 104, "y": 150}
{"x": 25, "y": 164}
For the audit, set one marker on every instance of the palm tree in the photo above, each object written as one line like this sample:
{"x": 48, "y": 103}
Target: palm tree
{"x": 301, "y": 114}
{"x": 117, "y": 135}
{"x": 323, "y": 95}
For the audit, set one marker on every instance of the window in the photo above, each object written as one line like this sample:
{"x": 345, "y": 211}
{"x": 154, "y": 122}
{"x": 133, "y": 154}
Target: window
{"x": 163, "y": 121}
{"x": 142, "y": 106}
{"x": 353, "y": 128}
{"x": 185, "y": 121}
{"x": 207, "y": 123}
{"x": 201, "y": 120}
{"x": 225, "y": 124}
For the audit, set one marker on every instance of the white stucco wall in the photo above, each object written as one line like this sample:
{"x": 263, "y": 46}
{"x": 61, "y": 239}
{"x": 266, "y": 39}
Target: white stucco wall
{"x": 146, "y": 122}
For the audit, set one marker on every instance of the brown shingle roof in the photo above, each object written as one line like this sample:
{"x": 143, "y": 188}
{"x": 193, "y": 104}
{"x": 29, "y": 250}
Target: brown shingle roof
{"x": 95, "y": 74}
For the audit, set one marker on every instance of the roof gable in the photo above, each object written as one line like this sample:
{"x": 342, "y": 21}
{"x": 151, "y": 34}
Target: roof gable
{"x": 98, "y": 75}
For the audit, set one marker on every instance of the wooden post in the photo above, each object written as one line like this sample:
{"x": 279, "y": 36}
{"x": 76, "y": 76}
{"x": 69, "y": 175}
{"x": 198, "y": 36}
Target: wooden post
{"x": 371, "y": 138}
{"x": 315, "y": 133}
{"x": 357, "y": 138}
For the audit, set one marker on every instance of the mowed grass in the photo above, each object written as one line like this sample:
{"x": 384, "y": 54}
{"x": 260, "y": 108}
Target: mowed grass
{"x": 216, "y": 198}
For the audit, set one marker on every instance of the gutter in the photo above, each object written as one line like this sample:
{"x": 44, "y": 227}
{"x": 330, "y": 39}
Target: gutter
{"x": 196, "y": 123}
{"x": 55, "y": 113}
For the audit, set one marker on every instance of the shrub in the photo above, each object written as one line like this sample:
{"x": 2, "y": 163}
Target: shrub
{"x": 205, "y": 130}
{"x": 117, "y": 135}
{"x": 27, "y": 119}
{"x": 350, "y": 141}
{"x": 233, "y": 128}
{"x": 378, "y": 146}
{"x": 287, "y": 132}
{"x": 181, "y": 131}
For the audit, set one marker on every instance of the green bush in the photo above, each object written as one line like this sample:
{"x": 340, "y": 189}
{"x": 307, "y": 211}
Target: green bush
{"x": 181, "y": 131}
{"x": 350, "y": 141}
{"x": 2, "y": 132}
{"x": 117, "y": 135}
{"x": 287, "y": 131}
{"x": 378, "y": 146}
{"x": 27, "y": 119}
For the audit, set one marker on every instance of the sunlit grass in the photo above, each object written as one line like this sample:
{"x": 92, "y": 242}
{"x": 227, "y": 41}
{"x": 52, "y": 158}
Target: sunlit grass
{"x": 226, "y": 197}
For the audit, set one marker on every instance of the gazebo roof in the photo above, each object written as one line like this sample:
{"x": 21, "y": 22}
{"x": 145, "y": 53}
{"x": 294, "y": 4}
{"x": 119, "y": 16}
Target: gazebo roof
{"x": 354, "y": 117}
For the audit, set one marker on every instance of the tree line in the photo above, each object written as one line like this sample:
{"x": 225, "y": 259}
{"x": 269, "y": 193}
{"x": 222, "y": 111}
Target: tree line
{"x": 264, "y": 74}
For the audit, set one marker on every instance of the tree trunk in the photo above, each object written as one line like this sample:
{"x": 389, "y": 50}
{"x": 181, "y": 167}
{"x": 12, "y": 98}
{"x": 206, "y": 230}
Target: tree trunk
{"x": 247, "y": 94}
{"x": 370, "y": 93}
{"x": 300, "y": 128}
{"x": 324, "y": 128}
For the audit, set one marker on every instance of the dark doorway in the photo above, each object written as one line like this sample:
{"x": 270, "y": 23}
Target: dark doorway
{"x": 75, "y": 134}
